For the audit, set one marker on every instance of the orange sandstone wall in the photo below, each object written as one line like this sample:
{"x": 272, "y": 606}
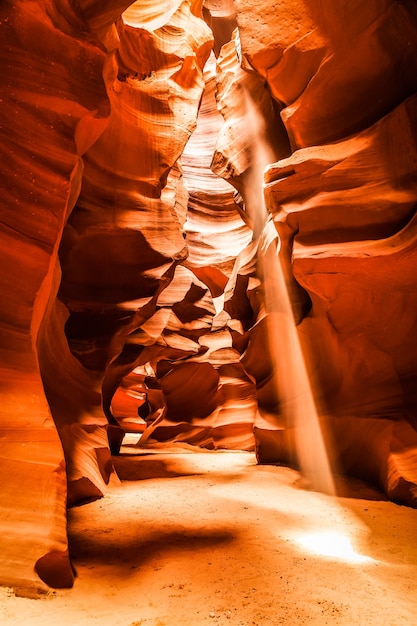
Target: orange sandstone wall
{"x": 54, "y": 106}
{"x": 344, "y": 206}
{"x": 64, "y": 86}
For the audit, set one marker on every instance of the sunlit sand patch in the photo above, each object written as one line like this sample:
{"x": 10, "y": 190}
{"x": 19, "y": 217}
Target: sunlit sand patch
{"x": 331, "y": 544}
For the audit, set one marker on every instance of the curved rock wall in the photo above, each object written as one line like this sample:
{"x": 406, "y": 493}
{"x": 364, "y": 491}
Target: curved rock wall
{"x": 345, "y": 214}
{"x": 185, "y": 349}
{"x": 54, "y": 106}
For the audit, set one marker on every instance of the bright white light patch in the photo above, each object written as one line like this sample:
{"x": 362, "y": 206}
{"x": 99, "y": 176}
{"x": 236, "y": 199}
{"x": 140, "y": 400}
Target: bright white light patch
{"x": 331, "y": 544}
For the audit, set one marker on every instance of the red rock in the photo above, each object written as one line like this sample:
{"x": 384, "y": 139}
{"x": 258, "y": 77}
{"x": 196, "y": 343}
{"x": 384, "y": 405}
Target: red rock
{"x": 54, "y": 106}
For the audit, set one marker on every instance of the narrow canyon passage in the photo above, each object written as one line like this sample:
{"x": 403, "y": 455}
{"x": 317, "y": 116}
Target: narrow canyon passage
{"x": 208, "y": 233}
{"x": 192, "y": 538}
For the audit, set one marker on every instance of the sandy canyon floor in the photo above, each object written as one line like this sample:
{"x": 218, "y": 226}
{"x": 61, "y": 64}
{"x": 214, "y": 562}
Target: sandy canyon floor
{"x": 195, "y": 538}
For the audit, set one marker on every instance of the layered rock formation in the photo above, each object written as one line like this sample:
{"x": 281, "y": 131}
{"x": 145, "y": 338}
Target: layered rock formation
{"x": 345, "y": 215}
{"x": 131, "y": 277}
{"x": 61, "y": 93}
{"x": 54, "y": 106}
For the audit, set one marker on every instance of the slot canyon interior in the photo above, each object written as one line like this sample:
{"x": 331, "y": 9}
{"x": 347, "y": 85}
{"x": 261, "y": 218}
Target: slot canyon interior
{"x": 208, "y": 312}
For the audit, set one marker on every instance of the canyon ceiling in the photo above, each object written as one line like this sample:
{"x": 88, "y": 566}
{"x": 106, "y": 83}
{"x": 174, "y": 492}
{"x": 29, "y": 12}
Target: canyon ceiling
{"x": 156, "y": 159}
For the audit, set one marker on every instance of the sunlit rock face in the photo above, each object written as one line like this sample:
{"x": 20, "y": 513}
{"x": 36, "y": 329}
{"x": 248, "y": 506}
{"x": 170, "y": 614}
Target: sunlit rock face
{"x": 305, "y": 51}
{"x": 184, "y": 356}
{"x": 125, "y": 236}
{"x": 128, "y": 234}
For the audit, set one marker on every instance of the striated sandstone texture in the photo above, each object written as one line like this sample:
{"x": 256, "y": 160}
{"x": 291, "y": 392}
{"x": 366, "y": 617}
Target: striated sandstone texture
{"x": 54, "y": 106}
{"x": 119, "y": 236}
{"x": 185, "y": 363}
{"x": 344, "y": 207}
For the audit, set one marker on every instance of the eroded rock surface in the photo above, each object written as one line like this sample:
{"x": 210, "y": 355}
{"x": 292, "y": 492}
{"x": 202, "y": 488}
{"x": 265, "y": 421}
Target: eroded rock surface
{"x": 54, "y": 106}
{"x": 345, "y": 212}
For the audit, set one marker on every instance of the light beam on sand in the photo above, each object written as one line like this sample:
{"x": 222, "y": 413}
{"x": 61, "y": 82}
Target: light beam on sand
{"x": 298, "y": 411}
{"x": 297, "y": 404}
{"x": 333, "y": 545}
{"x": 313, "y": 523}
{"x": 292, "y": 381}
